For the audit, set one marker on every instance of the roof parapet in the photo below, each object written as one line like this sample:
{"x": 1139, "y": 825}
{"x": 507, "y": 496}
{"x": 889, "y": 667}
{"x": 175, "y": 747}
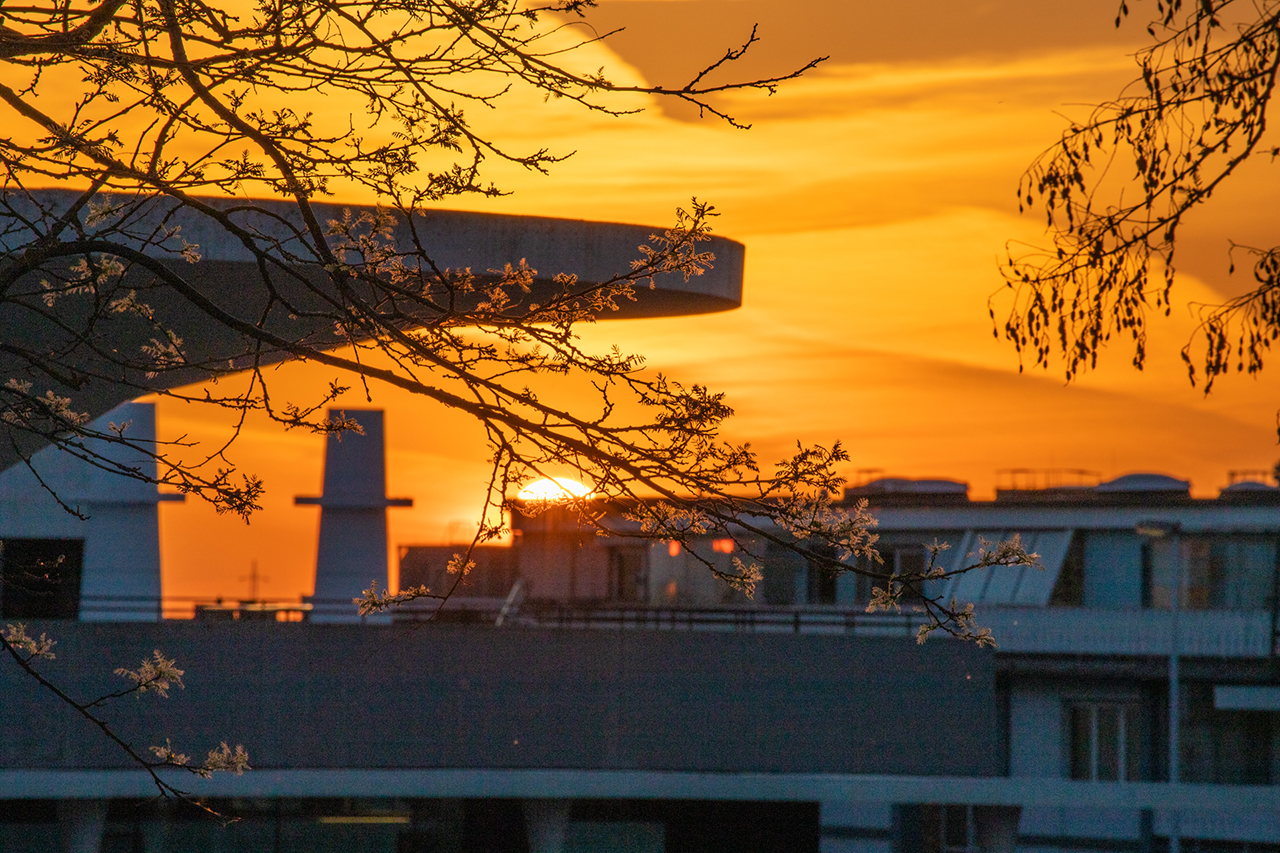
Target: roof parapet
{"x": 898, "y": 491}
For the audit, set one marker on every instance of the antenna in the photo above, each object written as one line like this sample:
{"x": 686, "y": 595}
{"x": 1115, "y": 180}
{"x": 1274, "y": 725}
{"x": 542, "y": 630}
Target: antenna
{"x": 253, "y": 578}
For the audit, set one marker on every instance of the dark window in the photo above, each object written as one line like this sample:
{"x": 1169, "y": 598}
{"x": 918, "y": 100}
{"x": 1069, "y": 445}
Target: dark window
{"x": 902, "y": 559}
{"x": 1238, "y": 571}
{"x": 41, "y": 578}
{"x": 822, "y": 579}
{"x": 1227, "y": 747}
{"x": 781, "y": 566}
{"x": 629, "y": 574}
{"x": 863, "y": 581}
{"x": 1069, "y": 590}
{"x": 907, "y": 561}
{"x": 1234, "y": 572}
{"x": 427, "y": 565}
{"x": 1106, "y": 741}
{"x": 949, "y": 829}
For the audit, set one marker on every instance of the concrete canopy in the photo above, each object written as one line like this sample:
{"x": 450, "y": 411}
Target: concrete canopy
{"x": 228, "y": 279}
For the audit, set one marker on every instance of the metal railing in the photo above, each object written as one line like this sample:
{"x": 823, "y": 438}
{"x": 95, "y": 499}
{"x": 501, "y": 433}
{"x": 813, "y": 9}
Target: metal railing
{"x": 798, "y": 619}
{"x": 1037, "y": 630}
{"x": 530, "y": 613}
{"x": 129, "y": 608}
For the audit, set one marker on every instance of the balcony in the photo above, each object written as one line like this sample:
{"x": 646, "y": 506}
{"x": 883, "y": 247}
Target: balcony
{"x": 1095, "y": 631}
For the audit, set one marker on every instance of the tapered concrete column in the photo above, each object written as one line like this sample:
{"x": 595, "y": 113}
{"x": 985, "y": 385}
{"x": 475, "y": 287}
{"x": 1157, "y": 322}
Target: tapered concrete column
{"x": 546, "y": 824}
{"x": 118, "y": 578}
{"x": 353, "y": 518}
{"x": 80, "y": 825}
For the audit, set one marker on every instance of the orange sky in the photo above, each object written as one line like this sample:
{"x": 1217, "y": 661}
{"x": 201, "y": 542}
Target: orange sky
{"x": 874, "y": 198}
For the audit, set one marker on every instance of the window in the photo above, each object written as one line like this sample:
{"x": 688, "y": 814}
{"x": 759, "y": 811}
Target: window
{"x": 903, "y": 559}
{"x": 822, "y": 579}
{"x": 1227, "y": 747}
{"x": 428, "y": 565}
{"x": 41, "y": 578}
{"x": 949, "y": 829}
{"x": 1069, "y": 589}
{"x": 780, "y": 569}
{"x": 629, "y": 574}
{"x": 907, "y": 561}
{"x": 1241, "y": 572}
{"x": 1220, "y": 572}
{"x": 1106, "y": 743}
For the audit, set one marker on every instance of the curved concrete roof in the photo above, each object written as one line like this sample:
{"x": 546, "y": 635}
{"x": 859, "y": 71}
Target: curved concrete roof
{"x": 1144, "y": 482}
{"x": 227, "y": 276}
{"x": 1249, "y": 486}
{"x": 895, "y": 485}
{"x": 455, "y": 239}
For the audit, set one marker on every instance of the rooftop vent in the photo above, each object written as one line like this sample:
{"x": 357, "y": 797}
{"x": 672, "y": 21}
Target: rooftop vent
{"x": 1250, "y": 492}
{"x": 1145, "y": 483}
{"x": 1250, "y": 486}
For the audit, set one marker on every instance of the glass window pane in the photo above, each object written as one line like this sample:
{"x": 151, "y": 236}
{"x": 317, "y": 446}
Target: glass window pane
{"x": 1244, "y": 566}
{"x": 1163, "y": 556}
{"x": 957, "y": 832}
{"x": 1133, "y": 744}
{"x": 911, "y": 561}
{"x": 1081, "y": 742}
{"x": 1199, "y": 574}
{"x": 1108, "y": 742}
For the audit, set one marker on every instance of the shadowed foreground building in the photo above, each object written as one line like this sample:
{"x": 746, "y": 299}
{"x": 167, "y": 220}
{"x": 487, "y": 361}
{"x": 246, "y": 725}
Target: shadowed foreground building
{"x": 453, "y": 736}
{"x": 586, "y": 695}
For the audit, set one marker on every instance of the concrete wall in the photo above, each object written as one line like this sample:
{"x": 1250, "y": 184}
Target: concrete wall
{"x": 1113, "y": 569}
{"x": 1036, "y": 734}
{"x": 382, "y": 697}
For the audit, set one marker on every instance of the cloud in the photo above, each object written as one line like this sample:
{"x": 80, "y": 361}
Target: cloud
{"x": 875, "y": 199}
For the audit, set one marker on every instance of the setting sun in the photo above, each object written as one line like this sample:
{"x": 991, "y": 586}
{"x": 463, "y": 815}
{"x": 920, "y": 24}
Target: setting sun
{"x": 554, "y": 490}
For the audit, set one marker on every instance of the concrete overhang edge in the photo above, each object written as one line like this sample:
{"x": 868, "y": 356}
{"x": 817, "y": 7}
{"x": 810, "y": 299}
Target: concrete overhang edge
{"x": 630, "y": 784}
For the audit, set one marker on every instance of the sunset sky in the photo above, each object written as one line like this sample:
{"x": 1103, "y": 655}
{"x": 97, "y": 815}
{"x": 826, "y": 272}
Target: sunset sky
{"x": 875, "y": 197}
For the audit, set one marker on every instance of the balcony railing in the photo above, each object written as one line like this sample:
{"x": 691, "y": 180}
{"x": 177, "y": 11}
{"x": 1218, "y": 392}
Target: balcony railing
{"x": 796, "y": 619}
{"x": 1050, "y": 630}
{"x": 800, "y": 619}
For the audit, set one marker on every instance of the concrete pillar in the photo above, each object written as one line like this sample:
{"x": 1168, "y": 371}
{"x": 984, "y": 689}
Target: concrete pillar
{"x": 122, "y": 551}
{"x": 546, "y": 824}
{"x": 81, "y": 824}
{"x": 121, "y": 558}
{"x": 353, "y": 518}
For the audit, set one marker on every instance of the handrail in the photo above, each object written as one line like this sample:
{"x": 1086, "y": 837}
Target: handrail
{"x": 530, "y": 612}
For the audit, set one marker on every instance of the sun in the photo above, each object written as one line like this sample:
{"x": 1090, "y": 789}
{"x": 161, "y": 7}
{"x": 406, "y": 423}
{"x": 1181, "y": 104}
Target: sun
{"x": 554, "y": 490}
